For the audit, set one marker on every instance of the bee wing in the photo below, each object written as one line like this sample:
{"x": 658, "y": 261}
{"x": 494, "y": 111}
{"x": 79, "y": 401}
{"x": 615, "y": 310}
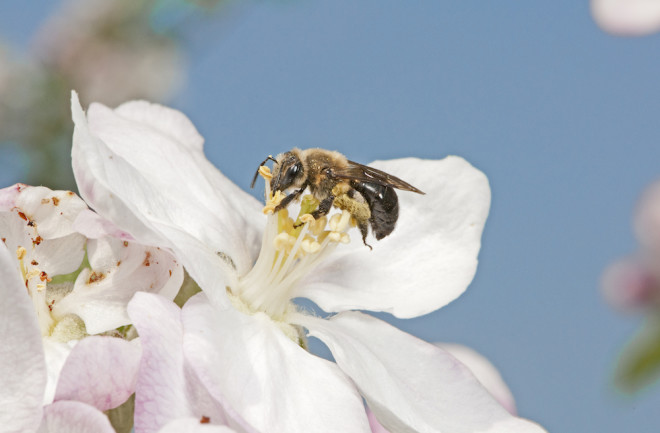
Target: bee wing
{"x": 363, "y": 173}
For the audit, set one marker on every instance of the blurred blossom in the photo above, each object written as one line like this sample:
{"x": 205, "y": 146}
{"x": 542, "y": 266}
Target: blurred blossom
{"x": 108, "y": 50}
{"x": 647, "y": 219}
{"x": 627, "y": 17}
{"x": 632, "y": 285}
{"x": 629, "y": 286}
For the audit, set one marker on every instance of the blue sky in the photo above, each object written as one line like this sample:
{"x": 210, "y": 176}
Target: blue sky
{"x": 561, "y": 117}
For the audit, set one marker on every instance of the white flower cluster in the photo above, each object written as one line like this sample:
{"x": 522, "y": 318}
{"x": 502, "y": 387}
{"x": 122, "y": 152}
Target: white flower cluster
{"x": 89, "y": 316}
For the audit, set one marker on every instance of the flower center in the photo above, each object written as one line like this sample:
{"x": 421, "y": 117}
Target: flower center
{"x": 45, "y": 294}
{"x": 290, "y": 250}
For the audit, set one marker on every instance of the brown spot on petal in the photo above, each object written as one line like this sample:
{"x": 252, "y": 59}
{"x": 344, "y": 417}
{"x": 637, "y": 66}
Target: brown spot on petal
{"x": 95, "y": 277}
{"x": 31, "y": 223}
{"x": 170, "y": 272}
{"x": 22, "y": 215}
{"x": 56, "y": 201}
{"x": 205, "y": 420}
{"x": 4, "y": 240}
{"x": 146, "y": 259}
{"x": 34, "y": 263}
{"x": 118, "y": 262}
{"x": 125, "y": 243}
{"x": 37, "y": 240}
{"x": 70, "y": 193}
{"x": 44, "y": 277}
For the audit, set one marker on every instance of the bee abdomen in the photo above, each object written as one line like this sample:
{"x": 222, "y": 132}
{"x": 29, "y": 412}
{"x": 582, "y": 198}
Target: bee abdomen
{"x": 384, "y": 205}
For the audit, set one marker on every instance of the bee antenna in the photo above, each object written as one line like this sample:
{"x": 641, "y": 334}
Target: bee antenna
{"x": 254, "y": 179}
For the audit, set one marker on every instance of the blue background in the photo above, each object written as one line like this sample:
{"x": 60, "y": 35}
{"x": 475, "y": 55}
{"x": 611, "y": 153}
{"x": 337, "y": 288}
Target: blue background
{"x": 561, "y": 117}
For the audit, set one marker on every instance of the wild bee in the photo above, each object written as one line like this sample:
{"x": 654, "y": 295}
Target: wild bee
{"x": 367, "y": 193}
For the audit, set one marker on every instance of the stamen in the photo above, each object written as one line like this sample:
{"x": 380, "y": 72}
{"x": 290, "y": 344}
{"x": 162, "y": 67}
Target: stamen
{"x": 290, "y": 250}
{"x": 265, "y": 172}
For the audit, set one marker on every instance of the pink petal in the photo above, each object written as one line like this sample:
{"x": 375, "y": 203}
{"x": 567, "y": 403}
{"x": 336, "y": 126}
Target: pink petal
{"x": 74, "y": 417}
{"x": 629, "y": 286}
{"x": 100, "y": 371}
{"x": 93, "y": 226}
{"x": 166, "y": 390}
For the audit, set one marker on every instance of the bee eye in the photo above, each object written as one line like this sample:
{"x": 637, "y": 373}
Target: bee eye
{"x": 290, "y": 175}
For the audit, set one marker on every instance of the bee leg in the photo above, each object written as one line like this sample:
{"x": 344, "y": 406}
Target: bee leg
{"x": 364, "y": 229}
{"x": 324, "y": 207}
{"x": 289, "y": 198}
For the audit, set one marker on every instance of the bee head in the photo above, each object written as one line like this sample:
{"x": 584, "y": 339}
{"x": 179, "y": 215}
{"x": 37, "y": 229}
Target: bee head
{"x": 287, "y": 172}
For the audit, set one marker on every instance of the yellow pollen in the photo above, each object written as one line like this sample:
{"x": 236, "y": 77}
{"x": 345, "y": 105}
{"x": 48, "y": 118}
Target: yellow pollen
{"x": 307, "y": 218}
{"x": 317, "y": 226}
{"x": 264, "y": 171}
{"x": 33, "y": 273}
{"x": 272, "y": 202}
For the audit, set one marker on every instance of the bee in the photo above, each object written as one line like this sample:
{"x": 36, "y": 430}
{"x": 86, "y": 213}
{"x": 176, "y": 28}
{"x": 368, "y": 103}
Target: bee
{"x": 367, "y": 193}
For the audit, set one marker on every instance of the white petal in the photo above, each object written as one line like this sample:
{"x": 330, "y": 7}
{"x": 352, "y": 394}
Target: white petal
{"x": 93, "y": 226}
{"x": 118, "y": 270}
{"x": 56, "y": 354}
{"x": 271, "y": 381}
{"x": 627, "y": 17}
{"x": 8, "y": 196}
{"x": 52, "y": 211}
{"x": 60, "y": 256}
{"x": 74, "y": 417}
{"x": 485, "y": 373}
{"x": 193, "y": 425}
{"x": 411, "y": 385}
{"x": 429, "y": 259}
{"x": 155, "y": 183}
{"x": 100, "y": 371}
{"x": 165, "y": 389}
{"x": 22, "y": 362}
{"x": 40, "y": 220}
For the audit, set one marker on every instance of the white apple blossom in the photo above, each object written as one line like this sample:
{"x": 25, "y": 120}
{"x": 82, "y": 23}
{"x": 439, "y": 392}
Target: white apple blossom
{"x": 142, "y": 167}
{"x": 627, "y": 17}
{"x": 45, "y": 236}
{"x": 24, "y": 374}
